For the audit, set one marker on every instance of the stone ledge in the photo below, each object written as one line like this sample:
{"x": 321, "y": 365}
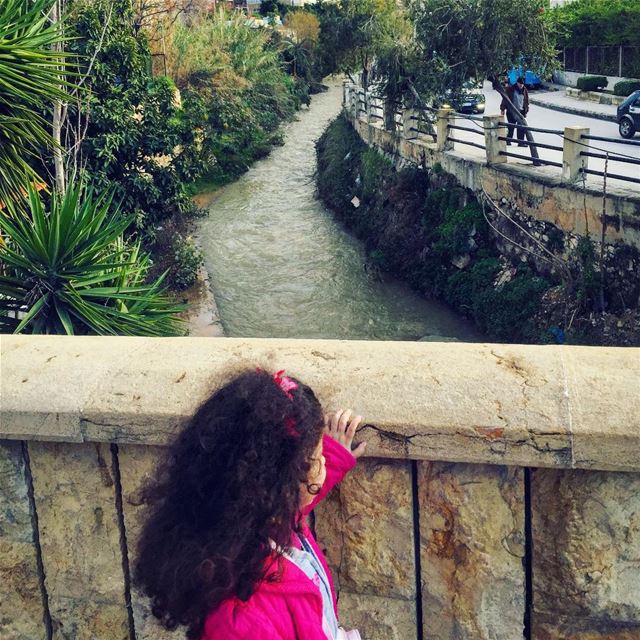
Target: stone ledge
{"x": 537, "y": 406}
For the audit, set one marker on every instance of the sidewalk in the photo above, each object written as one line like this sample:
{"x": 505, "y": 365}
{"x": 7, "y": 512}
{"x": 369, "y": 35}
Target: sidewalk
{"x": 560, "y": 101}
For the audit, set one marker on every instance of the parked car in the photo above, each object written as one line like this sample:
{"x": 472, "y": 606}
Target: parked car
{"x": 469, "y": 100}
{"x": 531, "y": 80}
{"x": 629, "y": 115}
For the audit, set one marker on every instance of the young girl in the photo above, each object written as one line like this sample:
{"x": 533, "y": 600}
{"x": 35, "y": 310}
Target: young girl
{"x": 226, "y": 550}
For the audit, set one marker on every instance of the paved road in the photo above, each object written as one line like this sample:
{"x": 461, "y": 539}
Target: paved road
{"x": 551, "y": 119}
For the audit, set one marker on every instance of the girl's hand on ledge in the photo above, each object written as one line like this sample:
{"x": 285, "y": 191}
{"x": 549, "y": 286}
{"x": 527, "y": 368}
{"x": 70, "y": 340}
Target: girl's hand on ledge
{"x": 341, "y": 425}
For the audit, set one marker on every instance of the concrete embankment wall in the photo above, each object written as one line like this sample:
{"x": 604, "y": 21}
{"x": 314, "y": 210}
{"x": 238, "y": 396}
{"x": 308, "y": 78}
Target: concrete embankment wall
{"x": 538, "y": 192}
{"x": 501, "y": 491}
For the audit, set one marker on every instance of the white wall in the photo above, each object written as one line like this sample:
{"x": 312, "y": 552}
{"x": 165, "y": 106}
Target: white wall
{"x": 570, "y": 78}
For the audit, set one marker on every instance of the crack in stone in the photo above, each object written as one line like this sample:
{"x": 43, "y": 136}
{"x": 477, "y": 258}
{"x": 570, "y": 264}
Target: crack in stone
{"x": 105, "y": 475}
{"x": 392, "y": 435}
{"x": 493, "y": 437}
{"x": 324, "y": 356}
{"x": 520, "y": 371}
{"x": 121, "y": 432}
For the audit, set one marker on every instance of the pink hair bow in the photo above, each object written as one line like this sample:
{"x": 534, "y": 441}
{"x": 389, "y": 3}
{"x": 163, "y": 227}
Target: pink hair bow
{"x": 285, "y": 383}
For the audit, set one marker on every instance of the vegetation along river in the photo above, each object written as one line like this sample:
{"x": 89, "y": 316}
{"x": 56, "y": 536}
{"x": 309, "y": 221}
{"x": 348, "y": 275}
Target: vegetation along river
{"x": 282, "y": 267}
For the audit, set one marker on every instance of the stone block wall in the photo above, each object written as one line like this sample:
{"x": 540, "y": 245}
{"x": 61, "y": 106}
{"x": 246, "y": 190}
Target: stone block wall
{"x": 508, "y": 539}
{"x": 429, "y": 550}
{"x": 22, "y": 614}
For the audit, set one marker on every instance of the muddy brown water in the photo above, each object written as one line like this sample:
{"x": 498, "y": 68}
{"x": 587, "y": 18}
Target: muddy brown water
{"x": 282, "y": 267}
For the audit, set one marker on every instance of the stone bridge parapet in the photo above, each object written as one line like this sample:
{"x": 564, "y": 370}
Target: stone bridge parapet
{"x": 500, "y": 495}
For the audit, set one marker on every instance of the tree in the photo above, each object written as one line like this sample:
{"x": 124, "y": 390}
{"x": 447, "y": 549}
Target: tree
{"x": 477, "y": 39}
{"x": 299, "y": 48}
{"x": 459, "y": 40}
{"x": 29, "y": 84}
{"x": 355, "y": 32}
{"x": 129, "y": 132}
{"x": 585, "y": 23}
{"x": 304, "y": 25}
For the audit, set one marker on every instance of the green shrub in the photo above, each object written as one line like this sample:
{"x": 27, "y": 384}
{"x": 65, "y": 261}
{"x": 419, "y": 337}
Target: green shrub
{"x": 464, "y": 286}
{"x": 588, "y": 280}
{"x": 592, "y": 83}
{"x": 187, "y": 260}
{"x": 596, "y": 22}
{"x": 455, "y": 232}
{"x": 139, "y": 140}
{"x": 626, "y": 87}
{"x": 507, "y": 312}
{"x": 338, "y": 150}
{"x": 374, "y": 169}
{"x": 67, "y": 270}
{"x": 238, "y": 73}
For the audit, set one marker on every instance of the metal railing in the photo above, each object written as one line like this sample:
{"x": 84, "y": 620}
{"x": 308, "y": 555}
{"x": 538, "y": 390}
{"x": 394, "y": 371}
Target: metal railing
{"x": 617, "y": 60}
{"x": 448, "y": 129}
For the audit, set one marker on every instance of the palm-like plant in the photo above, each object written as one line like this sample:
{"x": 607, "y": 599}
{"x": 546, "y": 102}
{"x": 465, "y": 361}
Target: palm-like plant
{"x": 69, "y": 271}
{"x": 298, "y": 54}
{"x": 30, "y": 80}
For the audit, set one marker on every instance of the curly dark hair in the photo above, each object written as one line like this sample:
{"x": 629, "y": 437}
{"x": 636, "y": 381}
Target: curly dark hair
{"x": 229, "y": 486}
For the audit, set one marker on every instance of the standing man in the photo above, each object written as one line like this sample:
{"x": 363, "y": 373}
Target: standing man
{"x": 519, "y": 96}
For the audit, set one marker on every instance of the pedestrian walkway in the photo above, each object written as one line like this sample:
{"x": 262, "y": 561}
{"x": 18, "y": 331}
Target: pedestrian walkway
{"x": 560, "y": 101}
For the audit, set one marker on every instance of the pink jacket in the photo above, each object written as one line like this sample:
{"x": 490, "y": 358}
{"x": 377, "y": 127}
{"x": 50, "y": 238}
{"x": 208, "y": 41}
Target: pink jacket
{"x": 290, "y": 609}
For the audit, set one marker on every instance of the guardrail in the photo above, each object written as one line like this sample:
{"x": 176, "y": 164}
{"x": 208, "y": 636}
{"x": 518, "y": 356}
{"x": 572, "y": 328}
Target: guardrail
{"x": 440, "y": 126}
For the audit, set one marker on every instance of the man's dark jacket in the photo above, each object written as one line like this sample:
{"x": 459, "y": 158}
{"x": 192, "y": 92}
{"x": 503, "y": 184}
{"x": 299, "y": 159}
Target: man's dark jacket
{"x": 510, "y": 91}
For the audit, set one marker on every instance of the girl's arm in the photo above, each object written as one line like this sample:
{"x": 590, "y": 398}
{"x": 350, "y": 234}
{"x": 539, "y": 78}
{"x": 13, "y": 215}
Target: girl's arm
{"x": 336, "y": 448}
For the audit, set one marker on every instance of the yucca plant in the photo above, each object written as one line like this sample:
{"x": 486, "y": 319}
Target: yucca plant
{"x": 30, "y": 80}
{"x": 68, "y": 270}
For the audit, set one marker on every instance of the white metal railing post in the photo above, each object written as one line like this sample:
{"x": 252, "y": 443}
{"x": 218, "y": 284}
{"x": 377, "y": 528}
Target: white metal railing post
{"x": 496, "y": 148}
{"x": 572, "y": 161}
{"x": 442, "y": 141}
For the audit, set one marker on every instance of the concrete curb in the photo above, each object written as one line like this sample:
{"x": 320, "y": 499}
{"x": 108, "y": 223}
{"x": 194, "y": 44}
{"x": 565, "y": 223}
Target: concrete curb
{"x": 573, "y": 110}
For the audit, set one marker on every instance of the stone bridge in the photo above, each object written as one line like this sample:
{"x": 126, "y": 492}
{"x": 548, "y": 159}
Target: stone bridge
{"x": 500, "y": 498}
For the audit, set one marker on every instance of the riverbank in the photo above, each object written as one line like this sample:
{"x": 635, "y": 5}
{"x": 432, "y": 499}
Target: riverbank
{"x": 421, "y": 226}
{"x": 282, "y": 267}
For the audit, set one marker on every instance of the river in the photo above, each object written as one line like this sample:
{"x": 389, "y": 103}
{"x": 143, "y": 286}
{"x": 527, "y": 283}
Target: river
{"x": 282, "y": 267}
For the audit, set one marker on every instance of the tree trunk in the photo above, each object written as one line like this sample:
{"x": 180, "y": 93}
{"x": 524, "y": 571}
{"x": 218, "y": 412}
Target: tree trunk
{"x": 58, "y": 162}
{"x": 365, "y": 78}
{"x": 520, "y": 119}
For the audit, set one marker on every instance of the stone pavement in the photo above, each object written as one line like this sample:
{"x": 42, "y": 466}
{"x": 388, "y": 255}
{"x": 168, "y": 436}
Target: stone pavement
{"x": 560, "y": 101}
